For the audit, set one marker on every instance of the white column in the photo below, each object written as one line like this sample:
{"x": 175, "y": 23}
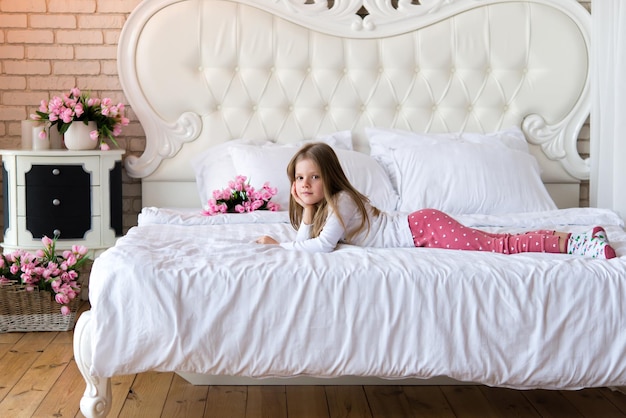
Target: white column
{"x": 608, "y": 110}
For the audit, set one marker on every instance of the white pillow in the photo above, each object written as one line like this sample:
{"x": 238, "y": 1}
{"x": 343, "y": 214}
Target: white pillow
{"x": 214, "y": 167}
{"x": 261, "y": 164}
{"x": 462, "y": 174}
{"x": 512, "y": 138}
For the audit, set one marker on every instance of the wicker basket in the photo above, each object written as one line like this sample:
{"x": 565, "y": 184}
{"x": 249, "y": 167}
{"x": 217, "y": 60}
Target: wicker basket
{"x": 22, "y": 310}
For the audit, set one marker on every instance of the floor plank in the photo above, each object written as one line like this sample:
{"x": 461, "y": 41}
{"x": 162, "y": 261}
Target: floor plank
{"x": 226, "y": 401}
{"x": 551, "y": 404}
{"x": 509, "y": 403}
{"x": 120, "y": 389}
{"x": 347, "y": 402}
{"x": 428, "y": 401}
{"x": 592, "y": 402}
{"x": 387, "y": 401}
{"x": 147, "y": 395}
{"x": 468, "y": 402}
{"x": 184, "y": 400}
{"x": 4, "y": 348}
{"x": 306, "y": 402}
{"x": 10, "y": 337}
{"x": 617, "y": 396}
{"x": 266, "y": 402}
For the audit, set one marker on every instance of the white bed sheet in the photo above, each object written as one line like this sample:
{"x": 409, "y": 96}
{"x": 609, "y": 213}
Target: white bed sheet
{"x": 195, "y": 294}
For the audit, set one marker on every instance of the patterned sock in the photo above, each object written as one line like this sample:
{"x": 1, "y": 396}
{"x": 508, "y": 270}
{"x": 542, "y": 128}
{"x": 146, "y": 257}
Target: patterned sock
{"x": 597, "y": 232}
{"x": 600, "y": 233}
{"x": 593, "y": 243}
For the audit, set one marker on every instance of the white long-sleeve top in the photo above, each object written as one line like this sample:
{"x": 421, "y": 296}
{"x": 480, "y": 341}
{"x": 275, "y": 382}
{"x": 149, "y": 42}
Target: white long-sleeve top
{"x": 388, "y": 230}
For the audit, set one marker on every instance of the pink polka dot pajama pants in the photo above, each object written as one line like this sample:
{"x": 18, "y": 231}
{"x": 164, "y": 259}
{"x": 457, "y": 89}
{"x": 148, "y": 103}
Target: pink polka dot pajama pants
{"x": 433, "y": 228}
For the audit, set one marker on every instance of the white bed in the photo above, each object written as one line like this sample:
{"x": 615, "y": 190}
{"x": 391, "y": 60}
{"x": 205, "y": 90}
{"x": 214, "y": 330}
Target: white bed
{"x": 213, "y": 80}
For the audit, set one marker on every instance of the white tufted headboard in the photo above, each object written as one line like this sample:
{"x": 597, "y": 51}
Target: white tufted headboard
{"x": 201, "y": 72}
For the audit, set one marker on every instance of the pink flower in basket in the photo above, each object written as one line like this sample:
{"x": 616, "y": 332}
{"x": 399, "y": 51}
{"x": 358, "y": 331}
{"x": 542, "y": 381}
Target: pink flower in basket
{"x": 240, "y": 197}
{"x": 46, "y": 270}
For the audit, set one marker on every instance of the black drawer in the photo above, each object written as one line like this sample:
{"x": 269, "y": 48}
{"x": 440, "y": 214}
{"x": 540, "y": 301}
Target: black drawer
{"x": 70, "y": 228}
{"x": 58, "y": 175}
{"x": 58, "y": 197}
{"x": 51, "y": 202}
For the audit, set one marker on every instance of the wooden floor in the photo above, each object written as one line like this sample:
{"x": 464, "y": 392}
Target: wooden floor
{"x": 39, "y": 378}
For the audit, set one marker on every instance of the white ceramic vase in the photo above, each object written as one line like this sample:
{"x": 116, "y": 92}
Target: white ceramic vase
{"x": 77, "y": 136}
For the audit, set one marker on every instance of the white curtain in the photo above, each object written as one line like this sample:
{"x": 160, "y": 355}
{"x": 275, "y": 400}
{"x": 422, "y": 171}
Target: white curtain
{"x": 608, "y": 105}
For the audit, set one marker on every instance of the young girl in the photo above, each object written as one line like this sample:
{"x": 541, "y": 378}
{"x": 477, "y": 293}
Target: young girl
{"x": 326, "y": 210}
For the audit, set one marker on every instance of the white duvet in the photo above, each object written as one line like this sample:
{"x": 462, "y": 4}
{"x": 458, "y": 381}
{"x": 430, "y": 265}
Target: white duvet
{"x": 189, "y": 293}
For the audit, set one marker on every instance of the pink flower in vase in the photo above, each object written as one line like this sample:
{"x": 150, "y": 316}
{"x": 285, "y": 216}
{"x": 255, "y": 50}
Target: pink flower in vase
{"x": 77, "y": 106}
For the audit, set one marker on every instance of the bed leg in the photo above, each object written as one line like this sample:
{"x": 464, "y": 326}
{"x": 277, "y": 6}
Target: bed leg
{"x": 96, "y": 400}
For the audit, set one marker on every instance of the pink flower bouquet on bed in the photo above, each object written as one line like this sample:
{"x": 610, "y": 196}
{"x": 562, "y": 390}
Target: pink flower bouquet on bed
{"x": 240, "y": 197}
{"x": 46, "y": 270}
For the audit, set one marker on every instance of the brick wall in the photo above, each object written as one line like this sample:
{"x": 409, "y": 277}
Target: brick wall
{"x": 50, "y": 46}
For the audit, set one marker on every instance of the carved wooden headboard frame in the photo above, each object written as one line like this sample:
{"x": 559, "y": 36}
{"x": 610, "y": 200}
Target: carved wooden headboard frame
{"x": 201, "y": 72}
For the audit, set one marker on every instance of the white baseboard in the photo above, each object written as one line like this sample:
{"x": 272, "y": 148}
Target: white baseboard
{"x": 205, "y": 380}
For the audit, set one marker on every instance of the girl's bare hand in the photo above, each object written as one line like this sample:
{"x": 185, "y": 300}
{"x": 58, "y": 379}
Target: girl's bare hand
{"x": 294, "y": 193}
{"x": 299, "y": 201}
{"x": 308, "y": 211}
{"x": 265, "y": 239}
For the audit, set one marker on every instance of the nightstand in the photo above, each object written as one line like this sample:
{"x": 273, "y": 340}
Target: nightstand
{"x": 77, "y": 194}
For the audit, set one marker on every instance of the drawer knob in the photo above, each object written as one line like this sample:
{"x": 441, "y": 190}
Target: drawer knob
{"x": 56, "y": 171}
{"x": 57, "y": 232}
{"x": 56, "y": 202}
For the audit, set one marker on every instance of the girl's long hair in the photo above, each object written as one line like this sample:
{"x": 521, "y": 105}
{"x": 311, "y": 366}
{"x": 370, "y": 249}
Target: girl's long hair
{"x": 334, "y": 181}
